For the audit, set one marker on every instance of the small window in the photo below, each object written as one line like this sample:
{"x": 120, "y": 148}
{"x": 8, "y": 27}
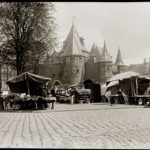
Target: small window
{"x": 73, "y": 70}
{"x": 77, "y": 70}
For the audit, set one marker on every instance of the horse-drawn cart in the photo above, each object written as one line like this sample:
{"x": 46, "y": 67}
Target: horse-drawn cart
{"x": 82, "y": 96}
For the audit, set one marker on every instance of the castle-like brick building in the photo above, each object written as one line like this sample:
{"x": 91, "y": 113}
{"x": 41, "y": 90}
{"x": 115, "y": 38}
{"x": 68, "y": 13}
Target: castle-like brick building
{"x": 74, "y": 63}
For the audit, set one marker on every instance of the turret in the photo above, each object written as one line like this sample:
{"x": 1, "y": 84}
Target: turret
{"x": 105, "y": 65}
{"x": 119, "y": 63}
{"x": 73, "y": 58}
{"x": 105, "y": 55}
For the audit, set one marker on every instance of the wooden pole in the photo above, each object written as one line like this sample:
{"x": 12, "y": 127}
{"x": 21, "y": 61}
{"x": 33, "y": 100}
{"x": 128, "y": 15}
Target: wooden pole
{"x": 136, "y": 86}
{"x": 28, "y": 90}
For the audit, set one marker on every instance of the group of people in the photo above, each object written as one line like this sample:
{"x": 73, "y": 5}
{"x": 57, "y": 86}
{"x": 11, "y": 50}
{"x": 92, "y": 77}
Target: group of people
{"x": 42, "y": 92}
{"x": 118, "y": 97}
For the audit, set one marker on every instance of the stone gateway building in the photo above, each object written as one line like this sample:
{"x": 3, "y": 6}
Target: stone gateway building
{"x": 74, "y": 63}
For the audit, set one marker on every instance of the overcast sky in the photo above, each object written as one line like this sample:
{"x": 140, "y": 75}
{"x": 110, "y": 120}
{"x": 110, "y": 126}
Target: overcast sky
{"x": 124, "y": 25}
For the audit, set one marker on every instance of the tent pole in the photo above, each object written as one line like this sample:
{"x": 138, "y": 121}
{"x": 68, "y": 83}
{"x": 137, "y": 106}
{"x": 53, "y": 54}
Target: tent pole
{"x": 28, "y": 88}
{"x": 136, "y": 86}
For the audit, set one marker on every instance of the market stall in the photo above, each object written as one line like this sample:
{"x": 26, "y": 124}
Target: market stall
{"x": 34, "y": 88}
{"x": 132, "y": 84}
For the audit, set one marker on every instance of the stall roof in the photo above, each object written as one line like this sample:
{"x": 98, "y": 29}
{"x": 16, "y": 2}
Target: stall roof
{"x": 113, "y": 83}
{"x": 27, "y": 82}
{"x": 128, "y": 86}
{"x": 124, "y": 75}
{"x": 28, "y": 76}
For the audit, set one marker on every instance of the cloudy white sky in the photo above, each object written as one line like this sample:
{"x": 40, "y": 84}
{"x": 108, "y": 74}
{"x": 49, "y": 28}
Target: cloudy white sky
{"x": 124, "y": 25}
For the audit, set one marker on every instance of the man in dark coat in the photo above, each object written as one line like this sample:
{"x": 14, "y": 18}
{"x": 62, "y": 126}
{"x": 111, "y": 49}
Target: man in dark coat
{"x": 1, "y": 102}
{"x": 121, "y": 99}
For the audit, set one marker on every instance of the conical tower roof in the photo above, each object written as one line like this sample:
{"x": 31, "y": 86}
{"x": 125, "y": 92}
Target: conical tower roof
{"x": 93, "y": 52}
{"x": 72, "y": 45}
{"x": 96, "y": 51}
{"x": 105, "y": 55}
{"x": 119, "y": 61}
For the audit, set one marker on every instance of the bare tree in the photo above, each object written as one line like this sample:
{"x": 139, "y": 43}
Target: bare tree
{"x": 29, "y": 33}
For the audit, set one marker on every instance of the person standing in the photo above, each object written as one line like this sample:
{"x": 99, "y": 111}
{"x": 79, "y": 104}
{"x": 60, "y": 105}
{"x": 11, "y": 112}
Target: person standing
{"x": 120, "y": 97}
{"x": 108, "y": 96}
{"x": 1, "y": 102}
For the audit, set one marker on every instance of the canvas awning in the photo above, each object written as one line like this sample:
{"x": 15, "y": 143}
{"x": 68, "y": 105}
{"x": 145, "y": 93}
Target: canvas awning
{"x": 129, "y": 82}
{"x": 27, "y": 83}
{"x": 123, "y": 76}
{"x": 103, "y": 89}
{"x": 113, "y": 83}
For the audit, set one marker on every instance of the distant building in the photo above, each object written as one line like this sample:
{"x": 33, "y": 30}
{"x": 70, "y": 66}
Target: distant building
{"x": 99, "y": 64}
{"x": 143, "y": 68}
{"x": 74, "y": 63}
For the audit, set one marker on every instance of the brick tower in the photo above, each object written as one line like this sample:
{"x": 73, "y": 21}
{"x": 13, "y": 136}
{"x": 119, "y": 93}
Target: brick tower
{"x": 105, "y": 65}
{"x": 119, "y": 63}
{"x": 73, "y": 57}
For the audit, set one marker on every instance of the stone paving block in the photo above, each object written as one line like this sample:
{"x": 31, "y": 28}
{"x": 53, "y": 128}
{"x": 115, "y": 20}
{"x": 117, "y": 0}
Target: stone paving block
{"x": 96, "y": 126}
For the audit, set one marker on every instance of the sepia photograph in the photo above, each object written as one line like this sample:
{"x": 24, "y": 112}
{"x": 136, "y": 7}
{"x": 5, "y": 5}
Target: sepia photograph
{"x": 75, "y": 75}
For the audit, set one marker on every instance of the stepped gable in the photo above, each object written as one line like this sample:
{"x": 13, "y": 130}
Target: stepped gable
{"x": 119, "y": 61}
{"x": 105, "y": 55}
{"x": 72, "y": 45}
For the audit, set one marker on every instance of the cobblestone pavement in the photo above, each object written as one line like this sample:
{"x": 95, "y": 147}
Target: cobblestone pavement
{"x": 77, "y": 126}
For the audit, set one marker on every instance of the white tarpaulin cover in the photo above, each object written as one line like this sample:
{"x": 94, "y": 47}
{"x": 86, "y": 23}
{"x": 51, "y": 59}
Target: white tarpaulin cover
{"x": 103, "y": 89}
{"x": 124, "y": 75}
{"x": 113, "y": 83}
{"x": 129, "y": 82}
